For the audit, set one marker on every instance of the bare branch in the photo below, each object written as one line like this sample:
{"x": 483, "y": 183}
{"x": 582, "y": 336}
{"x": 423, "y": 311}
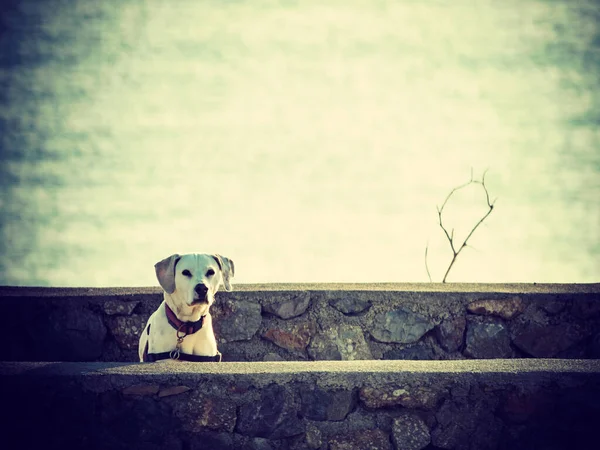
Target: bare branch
{"x": 426, "y": 265}
{"x": 450, "y": 236}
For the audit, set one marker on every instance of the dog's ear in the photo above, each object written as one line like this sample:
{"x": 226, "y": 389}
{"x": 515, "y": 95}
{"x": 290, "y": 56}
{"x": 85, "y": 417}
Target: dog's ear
{"x": 165, "y": 272}
{"x": 227, "y": 270}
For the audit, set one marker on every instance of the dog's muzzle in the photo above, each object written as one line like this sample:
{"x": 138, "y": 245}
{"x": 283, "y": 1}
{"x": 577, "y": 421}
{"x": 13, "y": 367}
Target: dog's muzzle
{"x": 202, "y": 292}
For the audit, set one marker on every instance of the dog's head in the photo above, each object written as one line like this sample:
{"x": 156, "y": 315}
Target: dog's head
{"x": 193, "y": 280}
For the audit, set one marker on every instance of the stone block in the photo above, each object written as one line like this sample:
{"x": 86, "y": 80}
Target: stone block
{"x": 410, "y": 432}
{"x": 119, "y": 308}
{"x": 200, "y": 412}
{"x": 70, "y": 334}
{"x": 289, "y": 306}
{"x": 487, "y": 339}
{"x": 212, "y": 441}
{"x": 313, "y": 437}
{"x": 324, "y": 347}
{"x": 545, "y": 340}
{"x": 504, "y": 308}
{"x": 272, "y": 357}
{"x": 350, "y": 305}
{"x": 296, "y": 339}
{"x": 172, "y": 390}
{"x": 451, "y": 333}
{"x": 586, "y": 308}
{"x": 423, "y": 351}
{"x": 319, "y": 404}
{"x": 518, "y": 407}
{"x": 414, "y": 397}
{"x": 237, "y": 320}
{"x": 345, "y": 342}
{"x": 141, "y": 390}
{"x": 401, "y": 326}
{"x": 273, "y": 416}
{"x": 553, "y": 307}
{"x": 361, "y": 440}
{"x": 466, "y": 425}
{"x": 594, "y": 347}
{"x": 126, "y": 330}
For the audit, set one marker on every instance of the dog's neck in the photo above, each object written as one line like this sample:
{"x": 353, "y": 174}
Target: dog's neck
{"x": 184, "y": 314}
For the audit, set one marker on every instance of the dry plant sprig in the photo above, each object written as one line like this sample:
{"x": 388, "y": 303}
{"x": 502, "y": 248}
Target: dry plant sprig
{"x": 450, "y": 236}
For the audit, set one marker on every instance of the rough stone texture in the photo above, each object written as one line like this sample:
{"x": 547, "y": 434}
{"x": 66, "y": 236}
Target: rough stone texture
{"x": 272, "y": 417}
{"x": 594, "y": 348}
{"x": 547, "y": 341}
{"x": 126, "y": 330}
{"x": 119, "y": 308}
{"x": 416, "y": 397}
{"x": 313, "y": 437}
{"x": 237, "y": 320}
{"x": 345, "y": 342}
{"x": 258, "y": 443}
{"x": 410, "y": 432}
{"x": 215, "y": 414}
{"x": 74, "y": 334}
{"x": 401, "y": 326}
{"x": 363, "y": 440}
{"x": 294, "y": 340}
{"x": 559, "y": 321}
{"x": 519, "y": 407}
{"x": 320, "y": 404}
{"x": 173, "y": 390}
{"x": 213, "y": 441}
{"x": 350, "y": 305}
{"x": 324, "y": 347}
{"x": 351, "y": 343}
{"x": 451, "y": 332}
{"x": 487, "y": 339}
{"x": 543, "y": 336}
{"x": 467, "y": 425}
{"x": 122, "y": 422}
{"x": 586, "y": 308}
{"x": 200, "y": 412}
{"x": 503, "y": 308}
{"x": 419, "y": 351}
{"x": 272, "y": 357}
{"x": 553, "y": 307}
{"x": 484, "y": 404}
{"x": 141, "y": 389}
{"x": 289, "y": 306}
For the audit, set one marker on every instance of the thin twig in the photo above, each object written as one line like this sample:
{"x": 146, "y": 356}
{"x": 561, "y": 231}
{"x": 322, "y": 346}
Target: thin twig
{"x": 450, "y": 236}
{"x": 426, "y": 265}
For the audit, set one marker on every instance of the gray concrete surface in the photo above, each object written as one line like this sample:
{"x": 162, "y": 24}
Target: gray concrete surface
{"x": 515, "y": 367}
{"x": 511, "y": 288}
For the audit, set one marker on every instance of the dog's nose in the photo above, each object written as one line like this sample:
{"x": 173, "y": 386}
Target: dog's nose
{"x": 201, "y": 289}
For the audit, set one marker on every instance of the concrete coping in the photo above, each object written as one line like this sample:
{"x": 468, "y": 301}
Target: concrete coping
{"x": 458, "y": 367}
{"x": 509, "y": 288}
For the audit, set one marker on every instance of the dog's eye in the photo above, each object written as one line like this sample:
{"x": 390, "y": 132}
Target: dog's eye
{"x": 210, "y": 273}
{"x": 186, "y": 273}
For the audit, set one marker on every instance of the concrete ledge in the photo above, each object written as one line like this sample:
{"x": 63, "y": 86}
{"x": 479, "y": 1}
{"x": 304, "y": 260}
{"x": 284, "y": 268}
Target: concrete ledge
{"x": 508, "y": 288}
{"x": 507, "y": 367}
{"x": 290, "y": 322}
{"x": 491, "y": 404}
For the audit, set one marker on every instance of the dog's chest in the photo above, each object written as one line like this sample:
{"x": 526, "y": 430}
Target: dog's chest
{"x": 163, "y": 338}
{"x": 202, "y": 342}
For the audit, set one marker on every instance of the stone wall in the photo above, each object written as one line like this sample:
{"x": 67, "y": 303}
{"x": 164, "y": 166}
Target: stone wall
{"x": 326, "y": 405}
{"x": 317, "y": 322}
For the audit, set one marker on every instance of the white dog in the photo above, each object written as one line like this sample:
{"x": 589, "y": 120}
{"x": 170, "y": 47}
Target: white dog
{"x": 181, "y": 327}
